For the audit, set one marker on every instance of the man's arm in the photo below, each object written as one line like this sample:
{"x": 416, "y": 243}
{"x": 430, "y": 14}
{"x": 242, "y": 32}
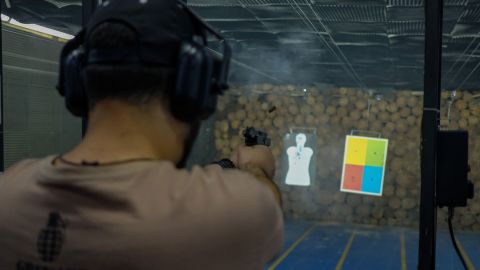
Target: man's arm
{"x": 261, "y": 176}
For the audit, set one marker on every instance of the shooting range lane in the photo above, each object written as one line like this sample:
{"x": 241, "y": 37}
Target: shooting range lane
{"x": 323, "y": 247}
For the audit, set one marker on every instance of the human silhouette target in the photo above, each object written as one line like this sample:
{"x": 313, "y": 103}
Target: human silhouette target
{"x": 299, "y": 158}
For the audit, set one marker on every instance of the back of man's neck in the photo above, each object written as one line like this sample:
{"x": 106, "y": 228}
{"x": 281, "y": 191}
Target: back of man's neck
{"x": 115, "y": 134}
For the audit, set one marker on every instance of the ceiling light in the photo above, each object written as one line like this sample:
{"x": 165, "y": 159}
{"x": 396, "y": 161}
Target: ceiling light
{"x": 42, "y": 29}
{"x": 5, "y": 18}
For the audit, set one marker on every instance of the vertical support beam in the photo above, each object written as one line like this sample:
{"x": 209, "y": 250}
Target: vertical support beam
{"x": 430, "y": 123}
{"x": 2, "y": 122}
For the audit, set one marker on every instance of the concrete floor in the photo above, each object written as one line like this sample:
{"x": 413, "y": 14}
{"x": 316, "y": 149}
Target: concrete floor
{"x": 328, "y": 246}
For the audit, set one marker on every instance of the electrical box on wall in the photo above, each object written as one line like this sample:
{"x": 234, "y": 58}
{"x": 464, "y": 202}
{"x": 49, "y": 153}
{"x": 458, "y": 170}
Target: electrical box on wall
{"x": 453, "y": 186}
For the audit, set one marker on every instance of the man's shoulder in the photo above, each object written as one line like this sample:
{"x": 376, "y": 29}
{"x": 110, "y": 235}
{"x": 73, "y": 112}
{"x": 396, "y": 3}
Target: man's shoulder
{"x": 19, "y": 172}
{"x": 22, "y": 166}
{"x": 217, "y": 176}
{"x": 239, "y": 192}
{"x": 242, "y": 189}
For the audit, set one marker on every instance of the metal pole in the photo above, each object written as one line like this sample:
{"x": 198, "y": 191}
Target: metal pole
{"x": 430, "y": 123}
{"x": 2, "y": 158}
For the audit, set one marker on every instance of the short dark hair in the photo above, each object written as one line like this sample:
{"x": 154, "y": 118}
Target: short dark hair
{"x": 132, "y": 83}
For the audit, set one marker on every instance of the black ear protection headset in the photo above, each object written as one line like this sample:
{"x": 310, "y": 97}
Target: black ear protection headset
{"x": 201, "y": 74}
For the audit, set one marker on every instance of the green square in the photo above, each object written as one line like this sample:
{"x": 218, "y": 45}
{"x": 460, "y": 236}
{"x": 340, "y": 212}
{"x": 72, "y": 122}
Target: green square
{"x": 376, "y": 153}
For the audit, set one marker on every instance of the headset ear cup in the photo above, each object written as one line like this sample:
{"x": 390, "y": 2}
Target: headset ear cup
{"x": 193, "y": 99}
{"x": 70, "y": 83}
{"x": 73, "y": 89}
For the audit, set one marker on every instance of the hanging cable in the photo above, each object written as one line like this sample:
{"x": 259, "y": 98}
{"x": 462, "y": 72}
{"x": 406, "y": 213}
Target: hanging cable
{"x": 452, "y": 236}
{"x": 460, "y": 56}
{"x": 468, "y": 76}
{"x": 463, "y": 65}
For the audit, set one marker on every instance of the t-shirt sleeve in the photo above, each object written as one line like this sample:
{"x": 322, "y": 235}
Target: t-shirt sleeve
{"x": 257, "y": 220}
{"x": 19, "y": 167}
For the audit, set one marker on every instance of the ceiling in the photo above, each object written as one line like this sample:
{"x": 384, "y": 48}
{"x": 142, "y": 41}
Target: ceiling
{"x": 372, "y": 44}
{"x": 62, "y": 15}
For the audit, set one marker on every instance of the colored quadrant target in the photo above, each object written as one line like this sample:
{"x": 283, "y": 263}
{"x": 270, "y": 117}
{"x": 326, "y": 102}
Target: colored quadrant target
{"x": 364, "y": 165}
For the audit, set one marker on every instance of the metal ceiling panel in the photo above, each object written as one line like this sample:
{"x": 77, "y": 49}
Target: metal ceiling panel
{"x": 363, "y": 54}
{"x": 376, "y": 42}
{"x": 354, "y": 39}
{"x": 259, "y": 35}
{"x": 238, "y": 25}
{"x": 406, "y": 28}
{"x": 64, "y": 17}
{"x": 471, "y": 14}
{"x": 353, "y": 13}
{"x": 274, "y": 12}
{"x": 269, "y": 2}
{"x": 212, "y": 3}
{"x": 405, "y": 3}
{"x": 420, "y": 3}
{"x": 448, "y": 27}
{"x": 349, "y": 2}
{"x": 299, "y": 38}
{"x": 410, "y": 13}
{"x": 224, "y": 12}
{"x": 352, "y": 27}
{"x": 405, "y": 13}
{"x": 466, "y": 30}
{"x": 450, "y": 3}
{"x": 297, "y": 25}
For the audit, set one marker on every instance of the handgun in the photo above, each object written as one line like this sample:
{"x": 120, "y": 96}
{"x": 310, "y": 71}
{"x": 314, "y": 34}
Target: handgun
{"x": 256, "y": 137}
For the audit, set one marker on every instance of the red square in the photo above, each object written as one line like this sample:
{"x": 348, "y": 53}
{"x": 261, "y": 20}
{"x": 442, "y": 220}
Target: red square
{"x": 353, "y": 177}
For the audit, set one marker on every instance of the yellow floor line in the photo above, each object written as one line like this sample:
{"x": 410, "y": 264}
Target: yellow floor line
{"x": 470, "y": 265}
{"x": 403, "y": 253}
{"x": 291, "y": 248}
{"x": 345, "y": 252}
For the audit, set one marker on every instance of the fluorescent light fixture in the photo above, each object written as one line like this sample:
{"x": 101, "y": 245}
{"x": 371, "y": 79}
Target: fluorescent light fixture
{"x": 5, "y": 18}
{"x": 42, "y": 29}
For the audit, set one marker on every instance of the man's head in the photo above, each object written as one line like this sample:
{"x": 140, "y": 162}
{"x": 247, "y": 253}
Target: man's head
{"x": 142, "y": 90}
{"x": 135, "y": 84}
{"x": 147, "y": 58}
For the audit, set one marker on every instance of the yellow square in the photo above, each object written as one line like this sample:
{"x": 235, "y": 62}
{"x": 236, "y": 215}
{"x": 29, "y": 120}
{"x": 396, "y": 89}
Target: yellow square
{"x": 356, "y": 151}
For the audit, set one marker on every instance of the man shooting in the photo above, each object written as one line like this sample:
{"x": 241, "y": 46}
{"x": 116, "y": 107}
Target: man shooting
{"x": 142, "y": 75}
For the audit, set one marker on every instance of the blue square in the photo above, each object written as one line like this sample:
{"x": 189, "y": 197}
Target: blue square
{"x": 372, "y": 179}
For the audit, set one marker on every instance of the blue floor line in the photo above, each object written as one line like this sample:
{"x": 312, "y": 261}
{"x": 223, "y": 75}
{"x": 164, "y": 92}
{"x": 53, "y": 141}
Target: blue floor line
{"x": 411, "y": 248}
{"x": 374, "y": 249}
{"x": 293, "y": 230}
{"x": 320, "y": 250}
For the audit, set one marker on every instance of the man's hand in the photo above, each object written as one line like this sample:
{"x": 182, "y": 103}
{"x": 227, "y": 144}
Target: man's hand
{"x": 259, "y": 161}
{"x": 259, "y": 156}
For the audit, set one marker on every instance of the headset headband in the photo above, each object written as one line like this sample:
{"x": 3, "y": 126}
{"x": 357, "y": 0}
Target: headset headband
{"x": 148, "y": 54}
{"x": 227, "y": 50}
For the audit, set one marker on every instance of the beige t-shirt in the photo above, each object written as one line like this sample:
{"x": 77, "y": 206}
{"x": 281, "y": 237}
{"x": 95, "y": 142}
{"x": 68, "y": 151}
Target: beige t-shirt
{"x": 135, "y": 216}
